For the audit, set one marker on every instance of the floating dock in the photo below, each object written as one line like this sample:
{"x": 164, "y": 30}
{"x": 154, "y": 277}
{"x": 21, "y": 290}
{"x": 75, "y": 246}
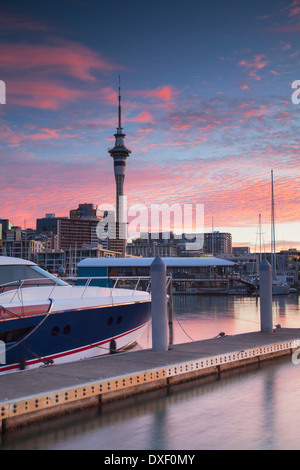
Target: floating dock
{"x": 46, "y": 392}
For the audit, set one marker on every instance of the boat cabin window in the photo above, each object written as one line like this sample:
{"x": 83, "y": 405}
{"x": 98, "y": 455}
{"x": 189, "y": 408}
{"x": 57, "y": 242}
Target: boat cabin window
{"x": 14, "y": 335}
{"x": 11, "y": 273}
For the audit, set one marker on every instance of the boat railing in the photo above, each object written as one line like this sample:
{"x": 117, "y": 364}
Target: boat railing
{"x": 140, "y": 283}
{"x": 144, "y": 282}
{"x": 18, "y": 285}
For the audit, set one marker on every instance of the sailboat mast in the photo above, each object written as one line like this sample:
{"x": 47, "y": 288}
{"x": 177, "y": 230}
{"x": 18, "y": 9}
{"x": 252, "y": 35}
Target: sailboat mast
{"x": 273, "y": 242}
{"x": 212, "y": 236}
{"x": 260, "y": 254}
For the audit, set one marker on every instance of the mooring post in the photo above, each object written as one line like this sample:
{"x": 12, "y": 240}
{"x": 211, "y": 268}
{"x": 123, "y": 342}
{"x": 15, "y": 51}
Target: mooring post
{"x": 160, "y": 337}
{"x": 265, "y": 290}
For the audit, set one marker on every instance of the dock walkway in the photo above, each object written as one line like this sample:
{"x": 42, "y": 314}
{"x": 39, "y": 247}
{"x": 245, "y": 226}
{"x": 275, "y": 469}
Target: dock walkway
{"x": 47, "y": 391}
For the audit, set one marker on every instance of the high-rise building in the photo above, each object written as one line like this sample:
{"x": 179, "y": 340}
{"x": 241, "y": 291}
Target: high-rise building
{"x": 84, "y": 211}
{"x": 48, "y": 224}
{"x": 217, "y": 242}
{"x": 73, "y": 233}
{"x": 119, "y": 153}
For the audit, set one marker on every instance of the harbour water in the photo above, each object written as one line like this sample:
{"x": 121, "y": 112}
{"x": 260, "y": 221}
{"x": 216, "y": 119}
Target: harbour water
{"x": 256, "y": 409}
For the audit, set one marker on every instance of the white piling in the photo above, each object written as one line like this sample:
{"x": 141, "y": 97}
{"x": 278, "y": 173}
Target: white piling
{"x": 265, "y": 289}
{"x": 160, "y": 336}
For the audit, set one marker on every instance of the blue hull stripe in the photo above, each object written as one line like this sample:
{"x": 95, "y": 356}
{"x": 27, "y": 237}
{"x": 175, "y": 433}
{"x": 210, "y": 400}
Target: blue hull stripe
{"x": 65, "y": 333}
{"x": 67, "y": 353}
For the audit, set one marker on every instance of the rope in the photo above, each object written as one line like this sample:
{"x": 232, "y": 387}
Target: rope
{"x": 32, "y": 331}
{"x": 184, "y": 330}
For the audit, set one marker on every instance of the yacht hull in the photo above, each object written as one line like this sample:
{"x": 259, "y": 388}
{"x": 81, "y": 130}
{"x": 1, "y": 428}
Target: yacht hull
{"x": 65, "y": 336}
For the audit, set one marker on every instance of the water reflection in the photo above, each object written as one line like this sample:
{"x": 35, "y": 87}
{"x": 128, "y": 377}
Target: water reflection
{"x": 237, "y": 412}
{"x": 205, "y": 316}
{"x": 268, "y": 400}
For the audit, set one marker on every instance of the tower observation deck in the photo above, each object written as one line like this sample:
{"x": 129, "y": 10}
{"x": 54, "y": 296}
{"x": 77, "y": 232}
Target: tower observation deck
{"x": 119, "y": 153}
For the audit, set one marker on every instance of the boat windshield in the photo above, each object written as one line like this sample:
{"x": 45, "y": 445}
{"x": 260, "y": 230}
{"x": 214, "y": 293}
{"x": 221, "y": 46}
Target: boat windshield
{"x": 18, "y": 272}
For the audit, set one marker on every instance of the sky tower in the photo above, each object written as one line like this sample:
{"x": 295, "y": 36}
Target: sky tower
{"x": 119, "y": 153}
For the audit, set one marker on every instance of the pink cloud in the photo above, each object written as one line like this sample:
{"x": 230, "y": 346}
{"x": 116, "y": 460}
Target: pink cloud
{"x": 284, "y": 115}
{"x": 144, "y": 116}
{"x": 32, "y": 133}
{"x": 264, "y": 17}
{"x": 289, "y": 28}
{"x": 46, "y": 134}
{"x": 258, "y": 62}
{"x": 43, "y": 94}
{"x": 253, "y": 66}
{"x": 164, "y": 93}
{"x": 146, "y": 130}
{"x": 295, "y": 8}
{"x": 259, "y": 111}
{"x": 65, "y": 57}
{"x": 52, "y": 94}
{"x": 108, "y": 96}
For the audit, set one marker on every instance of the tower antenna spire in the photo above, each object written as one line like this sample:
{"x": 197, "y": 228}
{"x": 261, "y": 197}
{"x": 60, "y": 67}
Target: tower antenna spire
{"x": 120, "y": 103}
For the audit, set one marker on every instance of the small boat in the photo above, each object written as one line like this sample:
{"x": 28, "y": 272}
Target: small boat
{"x": 280, "y": 288}
{"x": 44, "y": 320}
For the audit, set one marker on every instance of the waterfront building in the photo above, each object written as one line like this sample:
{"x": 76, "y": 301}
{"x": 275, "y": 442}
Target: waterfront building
{"x": 287, "y": 265}
{"x": 20, "y": 248}
{"x": 175, "y": 265}
{"x": 67, "y": 240}
{"x": 119, "y": 153}
{"x": 52, "y": 261}
{"x": 148, "y": 250}
{"x": 18, "y": 243}
{"x": 64, "y": 262}
{"x": 288, "y": 262}
{"x": 292, "y": 255}
{"x": 247, "y": 263}
{"x": 170, "y": 244}
{"x": 69, "y": 232}
{"x": 240, "y": 250}
{"x": 152, "y": 244}
{"x": 190, "y": 275}
{"x": 217, "y": 242}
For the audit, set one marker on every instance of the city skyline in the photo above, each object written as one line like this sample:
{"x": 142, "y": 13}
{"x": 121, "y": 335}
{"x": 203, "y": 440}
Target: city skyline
{"x": 206, "y": 106}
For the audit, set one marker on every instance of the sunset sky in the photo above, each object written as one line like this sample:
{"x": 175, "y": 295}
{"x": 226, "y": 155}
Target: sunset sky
{"x": 206, "y": 102}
